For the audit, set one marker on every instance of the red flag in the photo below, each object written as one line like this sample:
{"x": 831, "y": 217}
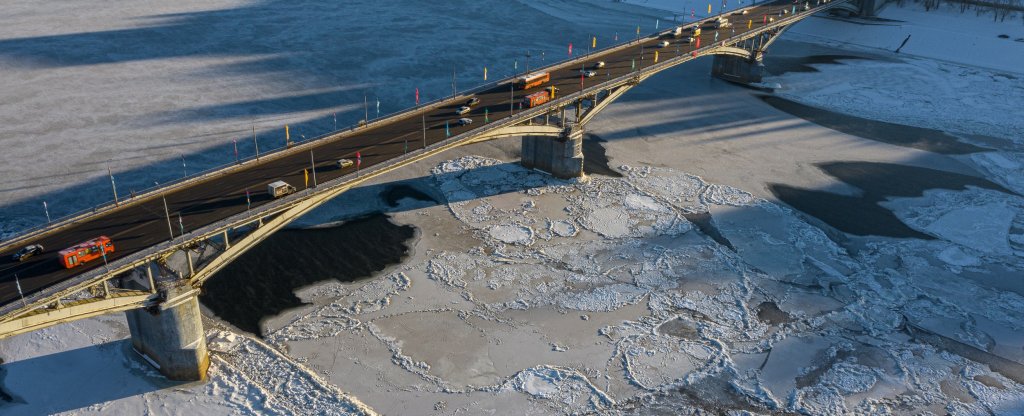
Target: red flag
{"x": 694, "y": 53}
{"x": 359, "y": 160}
{"x": 570, "y": 49}
{"x": 417, "y": 96}
{"x": 765, "y": 20}
{"x": 698, "y": 43}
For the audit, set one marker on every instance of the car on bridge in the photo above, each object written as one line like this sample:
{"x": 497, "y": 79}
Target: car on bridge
{"x": 344, "y": 163}
{"x": 27, "y": 251}
{"x": 463, "y": 110}
{"x": 588, "y": 73}
{"x": 465, "y": 121}
{"x": 688, "y": 39}
{"x": 278, "y": 189}
{"x": 472, "y": 101}
{"x": 663, "y": 44}
{"x": 599, "y": 65}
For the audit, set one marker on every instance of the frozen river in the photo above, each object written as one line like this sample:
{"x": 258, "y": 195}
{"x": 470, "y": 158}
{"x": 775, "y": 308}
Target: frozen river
{"x": 736, "y": 253}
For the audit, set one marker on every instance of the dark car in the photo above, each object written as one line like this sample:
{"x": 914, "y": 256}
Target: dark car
{"x": 472, "y": 101}
{"x": 27, "y": 251}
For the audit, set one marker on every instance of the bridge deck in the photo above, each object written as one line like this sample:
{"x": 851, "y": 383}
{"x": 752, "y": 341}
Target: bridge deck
{"x": 141, "y": 224}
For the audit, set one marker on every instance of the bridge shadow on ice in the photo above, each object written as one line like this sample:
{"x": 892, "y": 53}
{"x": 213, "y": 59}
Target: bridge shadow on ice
{"x": 102, "y": 373}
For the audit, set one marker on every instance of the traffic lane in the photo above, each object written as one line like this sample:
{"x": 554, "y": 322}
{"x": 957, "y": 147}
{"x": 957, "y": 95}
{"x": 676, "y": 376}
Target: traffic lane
{"x": 187, "y": 206}
{"x": 273, "y": 170}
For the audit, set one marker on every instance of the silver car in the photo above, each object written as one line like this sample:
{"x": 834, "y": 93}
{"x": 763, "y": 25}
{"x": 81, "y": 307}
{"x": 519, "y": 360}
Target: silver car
{"x": 465, "y": 121}
{"x": 463, "y": 110}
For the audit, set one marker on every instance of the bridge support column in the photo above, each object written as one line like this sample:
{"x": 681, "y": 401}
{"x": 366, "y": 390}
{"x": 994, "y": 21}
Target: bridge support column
{"x": 170, "y": 336}
{"x": 736, "y": 69}
{"x": 562, "y": 157}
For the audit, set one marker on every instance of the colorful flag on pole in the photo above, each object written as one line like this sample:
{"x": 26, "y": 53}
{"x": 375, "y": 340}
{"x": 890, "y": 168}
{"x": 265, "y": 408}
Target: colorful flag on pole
{"x": 359, "y": 159}
{"x": 248, "y": 202}
{"x": 638, "y": 30}
{"x": 633, "y": 65}
{"x": 750, "y": 23}
{"x": 570, "y": 49}
{"x": 765, "y": 20}
{"x": 485, "y": 73}
{"x": 593, "y": 42}
{"x": 693, "y": 13}
{"x": 709, "y": 9}
{"x": 655, "y": 56}
{"x": 515, "y": 65}
{"x": 305, "y": 174}
{"x": 378, "y": 107}
{"x": 657, "y": 22}
{"x": 417, "y": 96}
{"x": 236, "y": 148}
{"x": 181, "y": 226}
{"x": 447, "y": 133}
{"x": 287, "y": 136}
{"x": 486, "y": 119}
{"x": 698, "y": 43}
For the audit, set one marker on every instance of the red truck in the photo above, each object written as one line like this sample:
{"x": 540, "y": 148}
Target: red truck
{"x": 539, "y": 97}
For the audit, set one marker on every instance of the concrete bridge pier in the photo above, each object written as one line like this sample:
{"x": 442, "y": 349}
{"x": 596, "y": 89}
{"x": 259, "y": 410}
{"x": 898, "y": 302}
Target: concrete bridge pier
{"x": 737, "y": 69}
{"x": 560, "y": 156}
{"x": 170, "y": 335}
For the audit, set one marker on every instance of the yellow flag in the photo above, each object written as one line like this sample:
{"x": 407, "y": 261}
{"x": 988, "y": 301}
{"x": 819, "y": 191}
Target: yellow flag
{"x": 637, "y": 29}
{"x": 287, "y": 137}
{"x": 709, "y": 8}
{"x": 306, "y": 174}
{"x": 485, "y": 73}
{"x": 594, "y": 42}
{"x": 655, "y": 56}
{"x": 750, "y": 23}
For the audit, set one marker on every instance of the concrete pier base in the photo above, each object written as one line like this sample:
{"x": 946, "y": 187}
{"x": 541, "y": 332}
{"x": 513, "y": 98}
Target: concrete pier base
{"x": 736, "y": 69}
{"x": 171, "y": 336}
{"x": 562, "y": 157}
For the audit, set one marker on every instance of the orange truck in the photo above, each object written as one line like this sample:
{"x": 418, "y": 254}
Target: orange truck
{"x": 533, "y": 80}
{"x": 85, "y": 251}
{"x": 539, "y": 97}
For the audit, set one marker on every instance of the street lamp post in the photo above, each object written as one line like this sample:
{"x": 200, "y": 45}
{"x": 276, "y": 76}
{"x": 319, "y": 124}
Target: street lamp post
{"x": 167, "y": 212}
{"x": 257, "y": 144}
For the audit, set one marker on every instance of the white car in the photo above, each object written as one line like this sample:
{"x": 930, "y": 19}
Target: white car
{"x": 663, "y": 44}
{"x": 463, "y": 110}
{"x": 599, "y": 65}
{"x": 588, "y": 74}
{"x": 465, "y": 121}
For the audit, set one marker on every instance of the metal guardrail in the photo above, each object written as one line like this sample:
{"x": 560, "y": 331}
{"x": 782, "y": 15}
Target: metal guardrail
{"x": 278, "y": 206}
{"x": 148, "y": 193}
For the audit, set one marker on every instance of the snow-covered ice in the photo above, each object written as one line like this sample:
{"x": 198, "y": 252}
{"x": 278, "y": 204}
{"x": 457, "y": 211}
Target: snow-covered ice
{"x": 681, "y": 287}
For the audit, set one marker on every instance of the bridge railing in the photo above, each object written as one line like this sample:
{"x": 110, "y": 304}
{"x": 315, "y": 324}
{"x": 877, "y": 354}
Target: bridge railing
{"x": 273, "y": 153}
{"x": 280, "y": 205}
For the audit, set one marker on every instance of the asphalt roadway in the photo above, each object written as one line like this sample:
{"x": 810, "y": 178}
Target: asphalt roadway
{"x": 138, "y": 226}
